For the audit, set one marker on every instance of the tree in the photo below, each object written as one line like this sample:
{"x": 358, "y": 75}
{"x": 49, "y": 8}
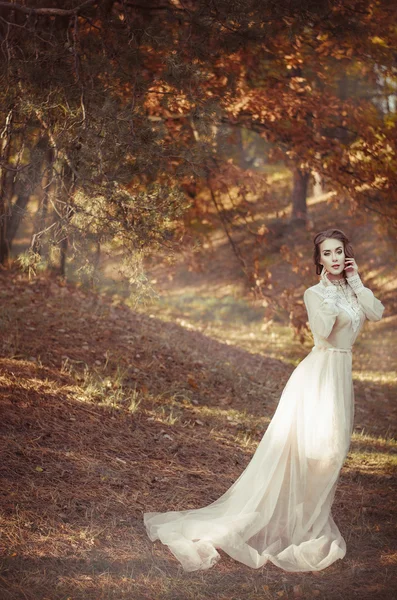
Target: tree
{"x": 129, "y": 94}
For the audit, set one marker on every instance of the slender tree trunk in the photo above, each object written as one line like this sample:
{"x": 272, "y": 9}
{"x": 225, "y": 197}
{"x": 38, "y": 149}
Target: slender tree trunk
{"x": 68, "y": 185}
{"x": 48, "y": 185}
{"x": 299, "y": 194}
{"x": 5, "y": 148}
{"x": 64, "y": 251}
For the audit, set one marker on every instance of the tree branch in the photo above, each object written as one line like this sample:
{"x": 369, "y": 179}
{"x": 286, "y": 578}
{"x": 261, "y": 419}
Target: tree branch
{"x": 52, "y": 12}
{"x": 235, "y": 248}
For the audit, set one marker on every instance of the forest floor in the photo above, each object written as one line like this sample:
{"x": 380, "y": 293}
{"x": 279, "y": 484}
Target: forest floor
{"x": 108, "y": 412}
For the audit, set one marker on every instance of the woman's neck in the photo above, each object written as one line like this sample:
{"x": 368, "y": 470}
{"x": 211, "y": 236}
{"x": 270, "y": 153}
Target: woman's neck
{"x": 332, "y": 277}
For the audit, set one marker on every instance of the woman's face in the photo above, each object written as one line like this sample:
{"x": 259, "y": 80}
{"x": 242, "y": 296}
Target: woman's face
{"x": 332, "y": 256}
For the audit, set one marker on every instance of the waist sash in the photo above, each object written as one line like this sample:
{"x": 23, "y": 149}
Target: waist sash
{"x": 332, "y": 349}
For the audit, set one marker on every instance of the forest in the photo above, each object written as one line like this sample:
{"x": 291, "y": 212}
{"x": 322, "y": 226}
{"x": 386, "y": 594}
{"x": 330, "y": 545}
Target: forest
{"x": 164, "y": 167}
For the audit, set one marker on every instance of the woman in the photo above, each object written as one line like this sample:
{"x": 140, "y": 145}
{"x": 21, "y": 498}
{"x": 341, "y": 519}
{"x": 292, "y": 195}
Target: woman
{"x": 279, "y": 509}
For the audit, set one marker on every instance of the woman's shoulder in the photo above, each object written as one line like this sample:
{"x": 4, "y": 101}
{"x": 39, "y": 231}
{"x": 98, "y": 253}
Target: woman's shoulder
{"x": 318, "y": 289}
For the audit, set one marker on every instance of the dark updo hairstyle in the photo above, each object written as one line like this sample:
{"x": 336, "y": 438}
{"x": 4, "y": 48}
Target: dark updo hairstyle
{"x": 335, "y": 234}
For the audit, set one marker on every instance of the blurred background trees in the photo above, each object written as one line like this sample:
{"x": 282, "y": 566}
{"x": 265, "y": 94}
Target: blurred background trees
{"x": 131, "y": 126}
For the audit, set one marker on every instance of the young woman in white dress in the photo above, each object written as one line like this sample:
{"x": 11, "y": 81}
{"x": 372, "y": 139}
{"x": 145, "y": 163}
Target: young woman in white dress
{"x": 279, "y": 509}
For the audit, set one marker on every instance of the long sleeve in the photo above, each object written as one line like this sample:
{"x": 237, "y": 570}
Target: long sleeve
{"x": 322, "y": 312}
{"x": 372, "y": 307}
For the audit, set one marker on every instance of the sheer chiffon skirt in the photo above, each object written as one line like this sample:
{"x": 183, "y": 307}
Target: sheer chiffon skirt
{"x": 279, "y": 509}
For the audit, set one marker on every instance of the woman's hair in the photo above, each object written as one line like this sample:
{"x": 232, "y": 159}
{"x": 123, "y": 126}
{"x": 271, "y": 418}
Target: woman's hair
{"x": 335, "y": 234}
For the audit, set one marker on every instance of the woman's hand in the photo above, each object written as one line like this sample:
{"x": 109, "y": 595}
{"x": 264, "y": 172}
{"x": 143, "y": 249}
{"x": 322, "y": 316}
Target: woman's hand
{"x": 324, "y": 278}
{"x": 351, "y": 267}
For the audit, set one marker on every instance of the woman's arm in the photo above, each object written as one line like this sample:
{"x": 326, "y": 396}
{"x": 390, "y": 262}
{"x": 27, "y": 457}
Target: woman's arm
{"x": 372, "y": 307}
{"x": 322, "y": 311}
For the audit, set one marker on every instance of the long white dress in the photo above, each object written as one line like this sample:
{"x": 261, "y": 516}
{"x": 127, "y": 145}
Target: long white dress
{"x": 279, "y": 509}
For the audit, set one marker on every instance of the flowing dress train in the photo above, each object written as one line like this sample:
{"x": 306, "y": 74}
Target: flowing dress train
{"x": 279, "y": 509}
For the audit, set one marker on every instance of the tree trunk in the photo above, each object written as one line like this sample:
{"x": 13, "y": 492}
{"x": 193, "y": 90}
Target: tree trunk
{"x": 64, "y": 250}
{"x": 18, "y": 212}
{"x": 48, "y": 184}
{"x": 25, "y": 187}
{"x": 68, "y": 186}
{"x": 299, "y": 193}
{"x": 5, "y": 148}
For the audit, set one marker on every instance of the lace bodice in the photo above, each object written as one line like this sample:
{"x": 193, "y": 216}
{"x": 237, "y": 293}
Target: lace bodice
{"x": 337, "y": 312}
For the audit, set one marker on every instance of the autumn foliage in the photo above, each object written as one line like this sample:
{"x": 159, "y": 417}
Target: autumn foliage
{"x": 113, "y": 112}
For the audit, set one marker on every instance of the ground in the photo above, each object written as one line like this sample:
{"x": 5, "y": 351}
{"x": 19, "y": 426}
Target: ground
{"x": 109, "y": 412}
